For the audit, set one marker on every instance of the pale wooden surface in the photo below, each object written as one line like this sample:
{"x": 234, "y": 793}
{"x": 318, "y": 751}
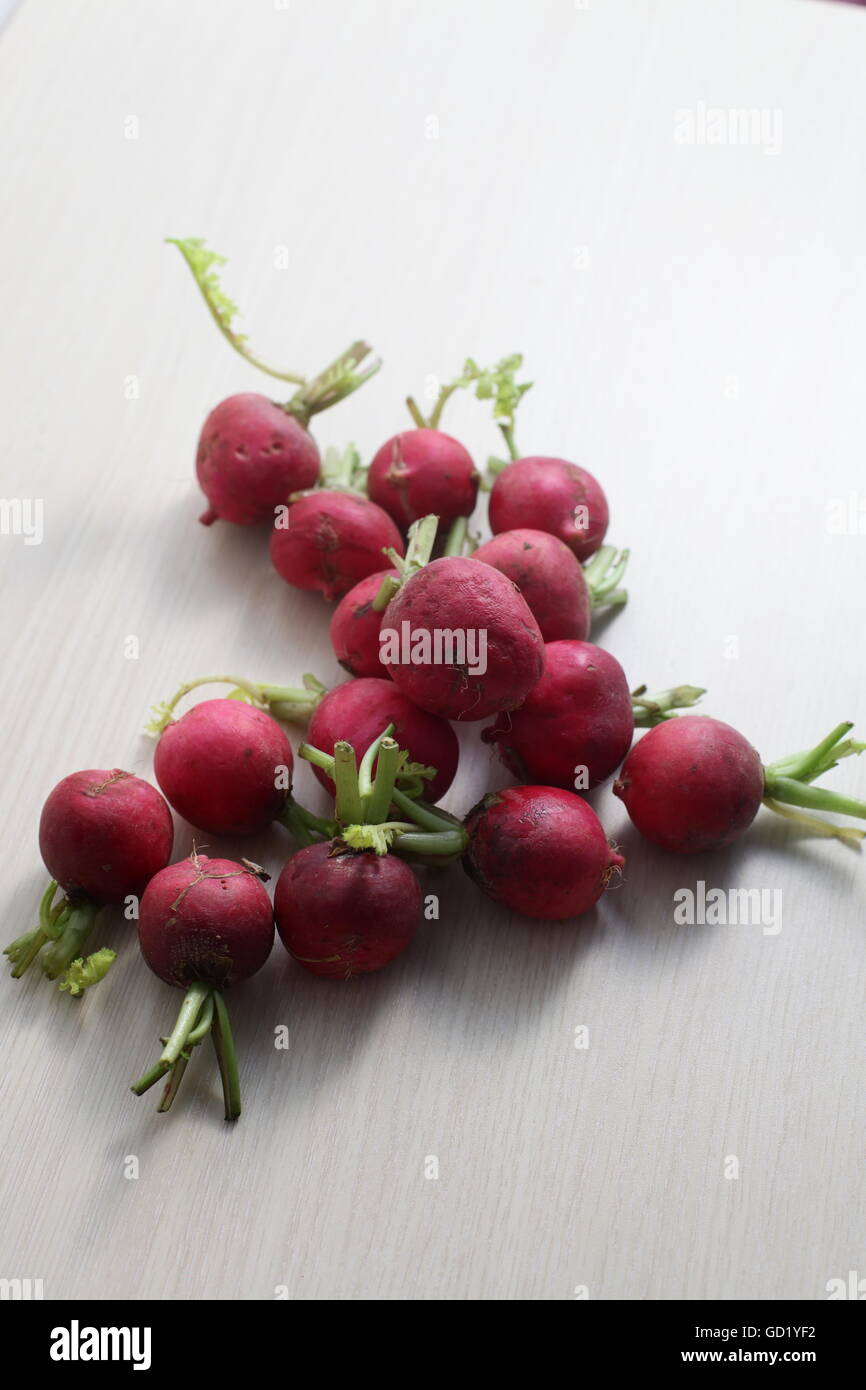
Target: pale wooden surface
{"x": 703, "y": 354}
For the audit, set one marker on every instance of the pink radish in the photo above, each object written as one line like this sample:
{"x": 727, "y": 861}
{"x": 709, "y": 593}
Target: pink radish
{"x": 329, "y": 540}
{"x": 561, "y": 594}
{"x": 576, "y": 724}
{"x": 350, "y": 907}
{"x": 342, "y": 912}
{"x": 355, "y": 627}
{"x": 205, "y": 925}
{"x": 102, "y": 836}
{"x": 254, "y": 453}
{"x": 539, "y": 851}
{"x": 357, "y": 712}
{"x": 420, "y": 472}
{"x": 226, "y": 767}
{"x": 695, "y": 784}
{"x": 551, "y": 494}
{"x": 539, "y": 492}
{"x": 460, "y": 641}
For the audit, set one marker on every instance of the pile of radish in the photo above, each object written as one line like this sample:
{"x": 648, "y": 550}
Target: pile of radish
{"x": 437, "y": 630}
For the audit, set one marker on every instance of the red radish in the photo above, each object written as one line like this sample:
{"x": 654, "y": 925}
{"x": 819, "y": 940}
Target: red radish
{"x": 550, "y": 494}
{"x": 205, "y": 925}
{"x": 252, "y": 454}
{"x": 576, "y": 724}
{"x": 460, "y": 641}
{"x": 355, "y": 627}
{"x": 329, "y": 540}
{"x": 548, "y": 576}
{"x": 359, "y": 710}
{"x": 102, "y": 836}
{"x": 542, "y": 493}
{"x": 539, "y": 851}
{"x": 342, "y": 913}
{"x": 420, "y": 472}
{"x": 695, "y": 784}
{"x": 350, "y": 907}
{"x": 205, "y": 921}
{"x": 225, "y": 767}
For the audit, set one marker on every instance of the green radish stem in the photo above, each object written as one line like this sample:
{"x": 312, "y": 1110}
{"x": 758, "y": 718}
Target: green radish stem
{"x": 655, "y": 709}
{"x": 348, "y": 804}
{"x": 224, "y": 1046}
{"x": 421, "y": 539}
{"x": 364, "y": 801}
{"x": 59, "y": 937}
{"x": 292, "y": 705}
{"x": 603, "y": 574}
{"x": 497, "y": 384}
{"x": 788, "y": 782}
{"x": 377, "y": 803}
{"x": 193, "y": 1023}
{"x": 341, "y": 469}
{"x": 338, "y": 380}
{"x": 455, "y": 541}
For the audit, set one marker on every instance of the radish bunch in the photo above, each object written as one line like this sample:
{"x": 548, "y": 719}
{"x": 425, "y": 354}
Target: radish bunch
{"x": 436, "y": 632}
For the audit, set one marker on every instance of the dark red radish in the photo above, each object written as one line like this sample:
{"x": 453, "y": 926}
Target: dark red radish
{"x": 576, "y": 724}
{"x": 694, "y": 784}
{"x": 252, "y": 454}
{"x": 423, "y": 471}
{"x": 103, "y": 834}
{"x": 355, "y": 627}
{"x": 225, "y": 767}
{"x": 539, "y": 851}
{"x": 342, "y": 912}
{"x": 205, "y": 925}
{"x": 460, "y": 641}
{"x": 206, "y": 921}
{"x": 548, "y": 576}
{"x": 560, "y": 594}
{"x": 329, "y": 540}
{"x": 551, "y": 494}
{"x": 357, "y": 712}
{"x": 351, "y": 907}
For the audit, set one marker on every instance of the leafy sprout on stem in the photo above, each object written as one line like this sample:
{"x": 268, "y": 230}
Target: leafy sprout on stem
{"x": 336, "y": 381}
{"x": 498, "y": 384}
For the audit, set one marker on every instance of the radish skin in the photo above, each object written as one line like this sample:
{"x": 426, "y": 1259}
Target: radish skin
{"x": 331, "y": 540}
{"x": 551, "y": 494}
{"x": 344, "y": 913}
{"x": 549, "y": 577}
{"x": 462, "y": 596}
{"x": 576, "y": 724}
{"x": 205, "y": 920}
{"x": 423, "y": 471}
{"x": 252, "y": 455}
{"x": 539, "y": 851}
{"x": 205, "y": 925}
{"x": 357, "y": 711}
{"x": 355, "y": 627}
{"x": 225, "y": 766}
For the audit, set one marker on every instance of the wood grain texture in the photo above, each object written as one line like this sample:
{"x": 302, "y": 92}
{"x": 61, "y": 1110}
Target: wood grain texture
{"x": 693, "y": 318}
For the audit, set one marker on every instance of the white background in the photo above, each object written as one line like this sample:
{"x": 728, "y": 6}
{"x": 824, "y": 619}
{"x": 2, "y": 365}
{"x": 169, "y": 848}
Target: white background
{"x": 692, "y": 317}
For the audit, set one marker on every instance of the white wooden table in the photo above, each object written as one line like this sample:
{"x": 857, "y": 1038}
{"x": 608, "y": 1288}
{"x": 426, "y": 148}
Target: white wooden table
{"x": 447, "y": 178}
